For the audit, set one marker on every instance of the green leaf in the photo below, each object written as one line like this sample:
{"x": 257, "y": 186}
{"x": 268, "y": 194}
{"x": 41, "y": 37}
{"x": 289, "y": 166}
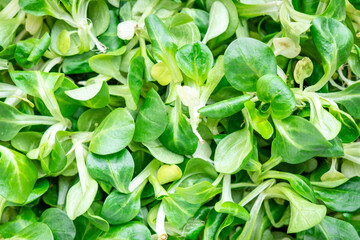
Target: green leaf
{"x": 41, "y": 8}
{"x": 41, "y": 85}
{"x": 114, "y": 133}
{"x": 304, "y": 214}
{"x": 151, "y": 119}
{"x": 298, "y": 182}
{"x": 224, "y": 108}
{"x": 163, "y": 47}
{"x": 297, "y": 140}
{"x": 259, "y": 122}
{"x": 245, "y": 61}
{"x": 162, "y": 154}
{"x": 98, "y": 13}
{"x": 26, "y": 141}
{"x": 213, "y": 222}
{"x": 109, "y": 38}
{"x": 35, "y": 231}
{"x": 25, "y": 218}
{"x": 91, "y": 119}
{"x": 233, "y": 209}
{"x": 29, "y": 52}
{"x": 93, "y": 95}
{"x": 85, "y": 229}
{"x": 197, "y": 170}
{"x": 178, "y": 136}
{"x": 333, "y": 48}
{"x": 198, "y": 193}
{"x": 328, "y": 229}
{"x": 115, "y": 169}
{"x": 18, "y": 175}
{"x": 92, "y": 214}
{"x": 8, "y": 29}
{"x": 79, "y": 198}
{"x": 233, "y": 21}
{"x": 195, "y": 61}
{"x": 135, "y": 77}
{"x": 177, "y": 210}
{"x": 41, "y": 187}
{"x": 120, "y": 208}
{"x": 272, "y": 89}
{"x": 324, "y": 121}
{"x": 77, "y": 64}
{"x": 59, "y": 223}
{"x": 185, "y": 34}
{"x": 342, "y": 198}
{"x": 108, "y": 64}
{"x": 218, "y": 21}
{"x": 132, "y": 230}
{"x": 355, "y": 3}
{"x": 349, "y": 98}
{"x": 233, "y": 152}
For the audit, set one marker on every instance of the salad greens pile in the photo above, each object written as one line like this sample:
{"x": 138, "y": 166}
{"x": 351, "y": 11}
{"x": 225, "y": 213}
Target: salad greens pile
{"x": 175, "y": 119}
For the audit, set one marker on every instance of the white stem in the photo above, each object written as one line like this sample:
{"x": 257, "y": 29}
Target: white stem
{"x": 258, "y": 190}
{"x": 99, "y": 45}
{"x": 226, "y": 193}
{"x": 160, "y": 224}
{"x": 218, "y": 179}
{"x": 50, "y": 64}
{"x": 80, "y": 155}
{"x": 144, "y": 174}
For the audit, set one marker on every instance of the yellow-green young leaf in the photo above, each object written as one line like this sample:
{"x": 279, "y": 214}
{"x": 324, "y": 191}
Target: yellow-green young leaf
{"x": 63, "y": 42}
{"x": 258, "y": 122}
{"x": 168, "y": 173}
{"x": 161, "y": 73}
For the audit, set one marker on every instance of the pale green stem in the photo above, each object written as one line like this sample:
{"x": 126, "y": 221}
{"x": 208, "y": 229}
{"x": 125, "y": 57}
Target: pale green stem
{"x": 144, "y": 174}
{"x": 271, "y": 163}
{"x": 258, "y": 190}
{"x": 218, "y": 179}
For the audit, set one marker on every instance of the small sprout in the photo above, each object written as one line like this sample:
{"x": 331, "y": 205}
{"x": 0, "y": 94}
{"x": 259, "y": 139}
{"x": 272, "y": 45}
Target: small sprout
{"x": 303, "y": 69}
{"x": 161, "y": 73}
{"x": 126, "y": 30}
{"x": 286, "y": 47}
{"x": 168, "y": 173}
